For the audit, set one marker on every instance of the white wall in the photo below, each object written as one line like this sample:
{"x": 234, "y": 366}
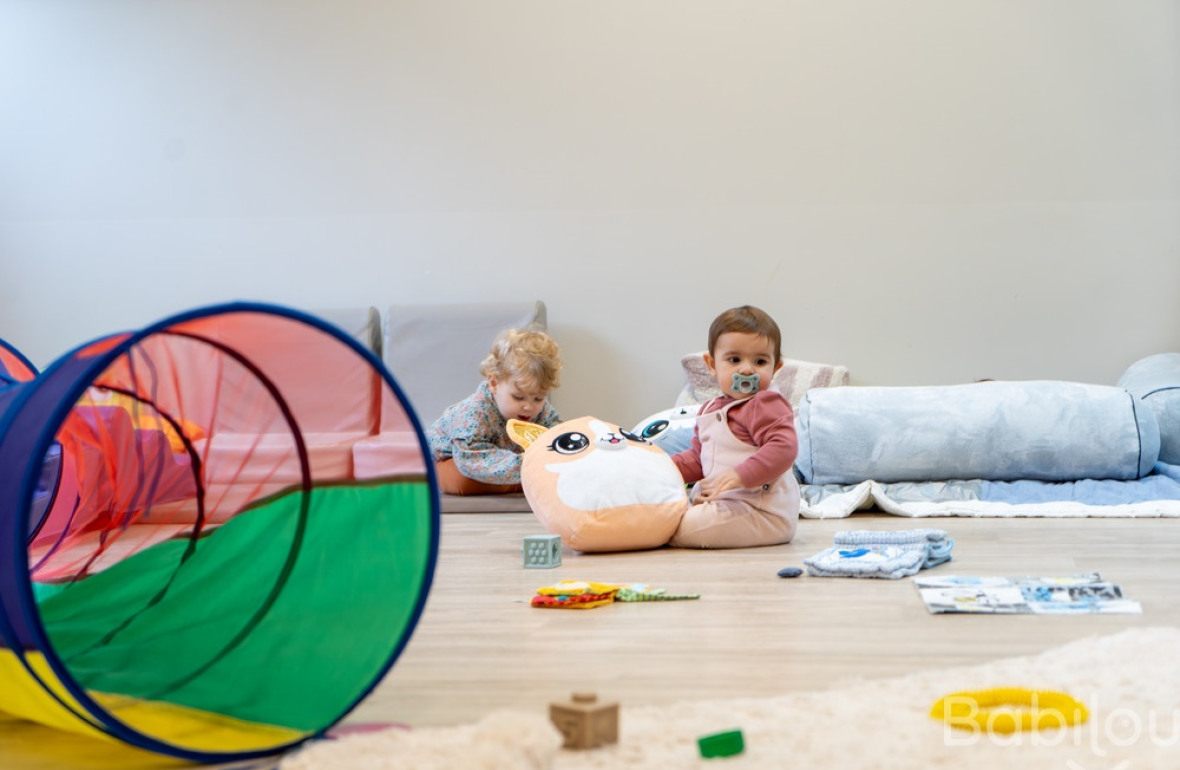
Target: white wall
{"x": 925, "y": 191}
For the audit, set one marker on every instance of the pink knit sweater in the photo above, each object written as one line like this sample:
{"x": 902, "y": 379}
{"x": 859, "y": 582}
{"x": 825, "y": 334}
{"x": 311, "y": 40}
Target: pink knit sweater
{"x": 764, "y": 420}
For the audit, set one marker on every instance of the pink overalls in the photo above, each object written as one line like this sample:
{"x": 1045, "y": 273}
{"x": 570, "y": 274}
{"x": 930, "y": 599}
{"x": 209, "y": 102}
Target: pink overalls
{"x": 739, "y": 518}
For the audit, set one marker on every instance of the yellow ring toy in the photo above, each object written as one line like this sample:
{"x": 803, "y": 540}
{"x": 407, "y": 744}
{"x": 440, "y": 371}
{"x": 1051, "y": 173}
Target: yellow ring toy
{"x": 1009, "y": 710}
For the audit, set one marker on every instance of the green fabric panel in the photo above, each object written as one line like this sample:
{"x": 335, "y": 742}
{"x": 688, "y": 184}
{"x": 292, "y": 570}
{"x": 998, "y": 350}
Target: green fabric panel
{"x": 42, "y": 591}
{"x": 345, "y": 605}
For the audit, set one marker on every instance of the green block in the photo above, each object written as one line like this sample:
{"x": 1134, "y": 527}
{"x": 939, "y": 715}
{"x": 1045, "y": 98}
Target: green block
{"x": 725, "y": 744}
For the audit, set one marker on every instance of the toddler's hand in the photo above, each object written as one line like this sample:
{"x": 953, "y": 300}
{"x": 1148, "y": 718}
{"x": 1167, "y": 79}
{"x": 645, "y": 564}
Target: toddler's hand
{"x": 713, "y": 486}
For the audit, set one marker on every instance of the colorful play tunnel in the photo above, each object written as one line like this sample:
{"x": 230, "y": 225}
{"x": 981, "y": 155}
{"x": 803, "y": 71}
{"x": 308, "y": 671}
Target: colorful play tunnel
{"x": 216, "y": 533}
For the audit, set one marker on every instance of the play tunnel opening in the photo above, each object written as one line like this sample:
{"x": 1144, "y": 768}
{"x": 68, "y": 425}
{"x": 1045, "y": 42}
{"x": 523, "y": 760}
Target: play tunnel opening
{"x": 216, "y": 535}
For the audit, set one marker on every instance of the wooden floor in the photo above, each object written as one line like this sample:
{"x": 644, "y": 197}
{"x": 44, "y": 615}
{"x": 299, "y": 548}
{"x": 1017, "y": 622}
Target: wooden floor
{"x": 479, "y": 646}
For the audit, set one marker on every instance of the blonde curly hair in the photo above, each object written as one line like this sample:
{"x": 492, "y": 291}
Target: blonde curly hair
{"x": 528, "y": 355}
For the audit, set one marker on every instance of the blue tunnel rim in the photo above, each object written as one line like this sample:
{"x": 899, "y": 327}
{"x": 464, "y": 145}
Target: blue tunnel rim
{"x": 100, "y": 361}
{"x": 9, "y": 348}
{"x": 27, "y": 604}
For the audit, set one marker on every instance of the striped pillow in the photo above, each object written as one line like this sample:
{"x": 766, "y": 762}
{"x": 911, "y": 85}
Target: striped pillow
{"x": 793, "y": 380}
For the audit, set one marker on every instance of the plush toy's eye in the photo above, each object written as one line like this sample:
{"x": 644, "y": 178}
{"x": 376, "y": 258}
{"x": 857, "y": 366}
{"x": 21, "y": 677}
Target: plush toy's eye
{"x": 570, "y": 443}
{"x": 653, "y": 429}
{"x": 631, "y": 436}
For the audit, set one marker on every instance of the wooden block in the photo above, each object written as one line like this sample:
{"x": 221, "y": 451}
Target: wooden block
{"x": 584, "y": 722}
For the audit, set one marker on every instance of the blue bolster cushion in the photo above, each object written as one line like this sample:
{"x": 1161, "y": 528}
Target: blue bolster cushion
{"x": 1155, "y": 381}
{"x": 1003, "y": 431}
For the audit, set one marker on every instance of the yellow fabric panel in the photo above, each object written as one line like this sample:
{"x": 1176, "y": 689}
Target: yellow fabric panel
{"x": 192, "y": 729}
{"x": 22, "y": 696}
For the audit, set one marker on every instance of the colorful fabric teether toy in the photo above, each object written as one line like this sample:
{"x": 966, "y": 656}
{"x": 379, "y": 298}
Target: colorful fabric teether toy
{"x": 583, "y": 595}
{"x": 575, "y": 595}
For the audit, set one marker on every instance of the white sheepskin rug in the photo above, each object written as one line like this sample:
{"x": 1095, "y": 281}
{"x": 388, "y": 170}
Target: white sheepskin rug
{"x": 1129, "y": 681}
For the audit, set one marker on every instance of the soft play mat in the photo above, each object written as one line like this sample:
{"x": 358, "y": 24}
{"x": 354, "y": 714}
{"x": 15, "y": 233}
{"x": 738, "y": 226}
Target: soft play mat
{"x": 189, "y": 561}
{"x": 1127, "y": 681}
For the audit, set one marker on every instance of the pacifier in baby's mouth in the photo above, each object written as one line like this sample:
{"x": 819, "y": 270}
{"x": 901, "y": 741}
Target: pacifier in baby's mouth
{"x": 745, "y": 383}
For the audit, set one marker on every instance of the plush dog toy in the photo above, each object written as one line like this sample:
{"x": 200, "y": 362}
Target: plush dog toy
{"x": 598, "y": 486}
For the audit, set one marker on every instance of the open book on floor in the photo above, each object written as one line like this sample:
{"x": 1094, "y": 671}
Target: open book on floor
{"x": 1080, "y": 594}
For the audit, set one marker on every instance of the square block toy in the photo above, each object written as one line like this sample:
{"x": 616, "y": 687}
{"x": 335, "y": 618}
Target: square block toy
{"x": 542, "y": 551}
{"x": 584, "y": 722}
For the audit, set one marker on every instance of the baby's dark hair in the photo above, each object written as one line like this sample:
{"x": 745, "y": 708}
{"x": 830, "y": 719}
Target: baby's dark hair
{"x": 750, "y": 320}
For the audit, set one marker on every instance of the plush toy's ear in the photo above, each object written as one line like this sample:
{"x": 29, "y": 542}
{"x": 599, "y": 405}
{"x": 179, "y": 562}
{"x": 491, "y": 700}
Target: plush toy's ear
{"x": 524, "y": 433}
